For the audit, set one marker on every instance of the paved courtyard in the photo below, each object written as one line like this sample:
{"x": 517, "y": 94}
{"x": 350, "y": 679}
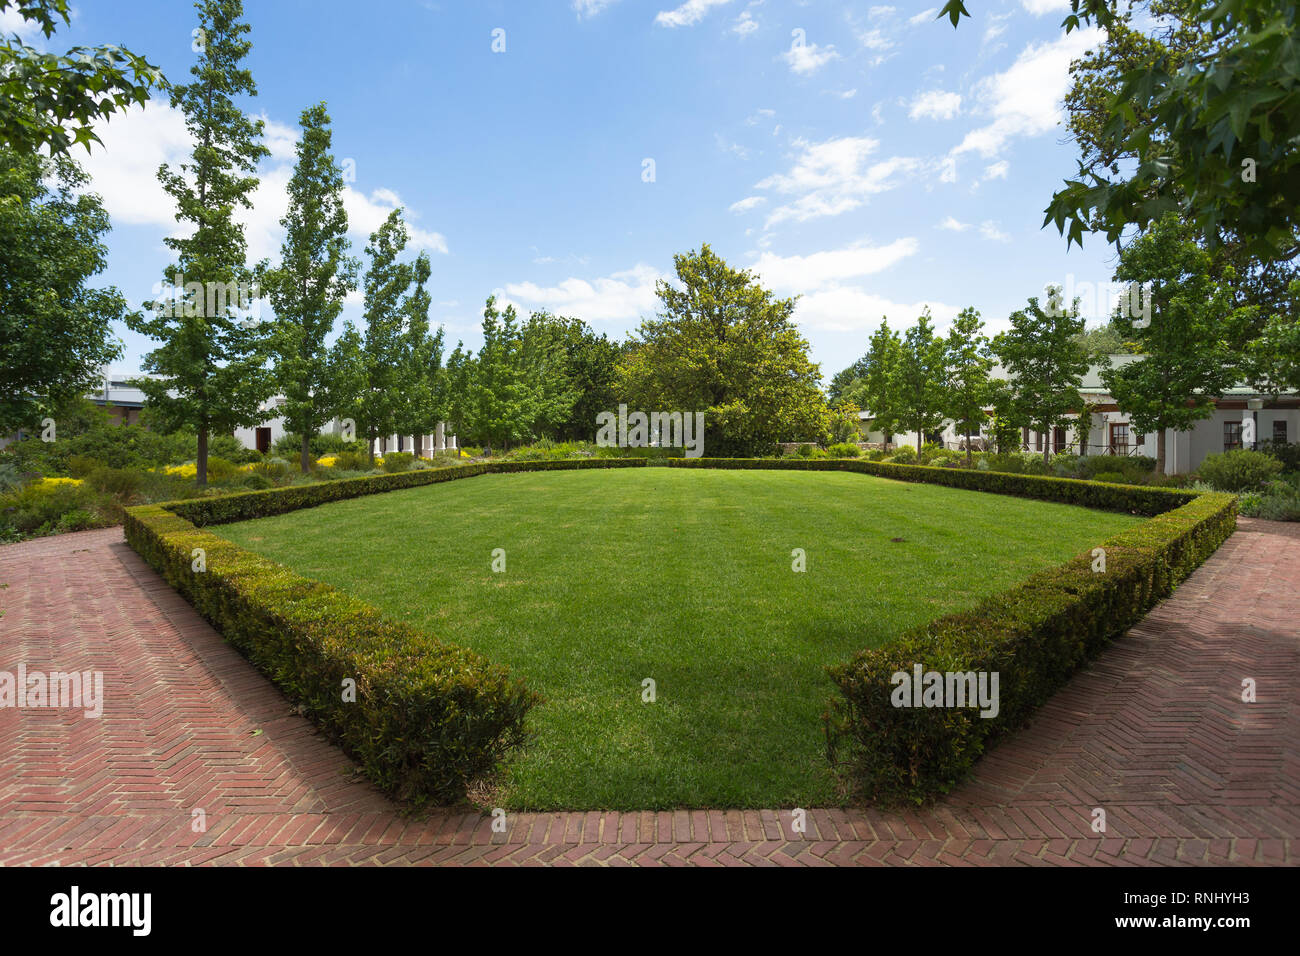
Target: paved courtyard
{"x": 1154, "y": 733}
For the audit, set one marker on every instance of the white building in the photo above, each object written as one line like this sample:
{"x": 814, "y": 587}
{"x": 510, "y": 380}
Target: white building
{"x": 1238, "y": 412}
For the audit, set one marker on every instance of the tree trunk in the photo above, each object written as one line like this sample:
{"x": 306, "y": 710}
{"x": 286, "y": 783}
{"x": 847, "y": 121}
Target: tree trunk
{"x": 1160, "y": 452}
{"x": 306, "y": 454}
{"x": 201, "y": 463}
{"x": 968, "y": 449}
{"x": 918, "y": 446}
{"x": 1047, "y": 441}
{"x": 370, "y": 447}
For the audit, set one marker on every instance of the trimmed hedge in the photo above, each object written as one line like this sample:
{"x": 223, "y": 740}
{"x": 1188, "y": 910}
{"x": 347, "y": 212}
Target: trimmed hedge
{"x": 1034, "y": 636}
{"x": 428, "y": 717}
{"x": 223, "y": 509}
{"x": 1135, "y": 499}
{"x": 431, "y": 717}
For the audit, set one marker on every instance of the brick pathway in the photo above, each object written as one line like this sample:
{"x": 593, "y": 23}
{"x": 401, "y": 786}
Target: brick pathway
{"x": 1154, "y": 733}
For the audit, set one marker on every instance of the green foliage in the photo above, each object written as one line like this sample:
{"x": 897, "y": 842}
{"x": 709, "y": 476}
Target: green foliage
{"x": 921, "y": 380}
{"x": 211, "y": 361}
{"x": 1185, "y": 359}
{"x": 1045, "y": 362}
{"x": 54, "y": 330}
{"x": 428, "y": 718}
{"x": 314, "y": 276}
{"x": 322, "y": 443}
{"x": 904, "y": 455}
{"x": 1033, "y": 636}
{"x": 725, "y": 346}
{"x": 1203, "y": 116}
{"x": 1239, "y": 470}
{"x": 52, "y": 101}
{"x": 396, "y": 462}
{"x": 40, "y": 508}
{"x": 1279, "y": 501}
{"x": 844, "y": 450}
{"x": 969, "y": 362}
{"x": 1288, "y": 453}
{"x": 877, "y": 389}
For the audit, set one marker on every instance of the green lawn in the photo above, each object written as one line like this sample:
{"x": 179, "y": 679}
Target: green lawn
{"x": 684, "y": 577}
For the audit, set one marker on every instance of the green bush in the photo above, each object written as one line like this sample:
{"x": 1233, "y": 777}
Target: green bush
{"x": 904, "y": 455}
{"x": 1238, "y": 470}
{"x": 428, "y": 718}
{"x": 1288, "y": 453}
{"x": 39, "y": 508}
{"x": 289, "y": 445}
{"x": 930, "y": 451}
{"x": 844, "y": 450}
{"x": 396, "y": 462}
{"x": 219, "y": 469}
{"x": 1279, "y": 501}
{"x": 1033, "y": 636}
{"x": 1113, "y": 477}
{"x": 352, "y": 459}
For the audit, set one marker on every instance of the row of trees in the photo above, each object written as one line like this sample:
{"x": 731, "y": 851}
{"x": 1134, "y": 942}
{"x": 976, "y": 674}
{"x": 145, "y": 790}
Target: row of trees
{"x": 1200, "y": 341}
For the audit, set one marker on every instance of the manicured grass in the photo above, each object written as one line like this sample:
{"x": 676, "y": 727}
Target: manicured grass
{"x": 683, "y": 577}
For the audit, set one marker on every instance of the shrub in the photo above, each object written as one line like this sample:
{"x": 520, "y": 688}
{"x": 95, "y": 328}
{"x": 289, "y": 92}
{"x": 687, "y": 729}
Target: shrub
{"x": 1239, "y": 470}
{"x": 1288, "y": 453}
{"x": 257, "y": 482}
{"x": 805, "y": 451}
{"x": 844, "y": 450}
{"x": 1113, "y": 477}
{"x": 1033, "y": 636}
{"x": 219, "y": 469}
{"x": 352, "y": 459}
{"x": 398, "y": 461}
{"x": 904, "y": 455}
{"x": 930, "y": 451}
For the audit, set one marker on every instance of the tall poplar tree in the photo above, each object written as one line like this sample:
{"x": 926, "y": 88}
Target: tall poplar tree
{"x": 212, "y": 361}
{"x": 969, "y": 363}
{"x": 309, "y": 285}
{"x": 383, "y": 350}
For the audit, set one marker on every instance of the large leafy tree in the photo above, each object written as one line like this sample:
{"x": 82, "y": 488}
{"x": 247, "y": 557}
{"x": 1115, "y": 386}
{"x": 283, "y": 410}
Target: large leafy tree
{"x": 211, "y": 361}
{"x": 1211, "y": 126}
{"x": 497, "y": 407}
{"x": 921, "y": 383}
{"x": 591, "y": 363}
{"x": 550, "y": 388}
{"x": 309, "y": 285}
{"x": 1045, "y": 362}
{"x": 1186, "y": 360}
{"x": 52, "y": 101}
{"x": 54, "y": 328}
{"x": 969, "y": 362}
{"x": 384, "y": 349}
{"x": 725, "y": 346}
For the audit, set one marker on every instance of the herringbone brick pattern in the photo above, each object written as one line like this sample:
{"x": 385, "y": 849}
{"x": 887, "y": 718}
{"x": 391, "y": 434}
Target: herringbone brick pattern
{"x": 1154, "y": 733}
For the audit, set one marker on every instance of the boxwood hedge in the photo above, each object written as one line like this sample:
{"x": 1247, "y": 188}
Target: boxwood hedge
{"x": 422, "y": 717}
{"x": 429, "y": 717}
{"x": 1034, "y": 636}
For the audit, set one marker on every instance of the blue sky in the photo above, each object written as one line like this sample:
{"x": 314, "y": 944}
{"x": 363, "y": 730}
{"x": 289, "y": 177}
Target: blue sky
{"x": 866, "y": 156}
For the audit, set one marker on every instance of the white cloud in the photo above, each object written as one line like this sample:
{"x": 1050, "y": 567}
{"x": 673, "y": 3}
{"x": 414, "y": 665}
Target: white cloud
{"x": 29, "y": 31}
{"x": 1025, "y": 100}
{"x": 746, "y": 204}
{"x": 589, "y": 8}
{"x": 881, "y": 12}
{"x": 846, "y": 94}
{"x": 833, "y": 177}
{"x": 823, "y": 269}
{"x": 925, "y": 16}
{"x": 953, "y": 225}
{"x": 135, "y": 143}
{"x": 875, "y": 40}
{"x": 935, "y": 104}
{"x": 989, "y": 230}
{"x": 1040, "y": 7}
{"x": 805, "y": 58}
{"x": 948, "y": 170}
{"x": 745, "y": 24}
{"x": 850, "y": 308}
{"x": 998, "y": 170}
{"x": 619, "y": 296}
{"x": 688, "y": 14}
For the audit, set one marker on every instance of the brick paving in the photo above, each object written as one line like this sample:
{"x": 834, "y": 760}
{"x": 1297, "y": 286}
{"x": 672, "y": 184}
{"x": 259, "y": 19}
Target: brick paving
{"x": 1154, "y": 733}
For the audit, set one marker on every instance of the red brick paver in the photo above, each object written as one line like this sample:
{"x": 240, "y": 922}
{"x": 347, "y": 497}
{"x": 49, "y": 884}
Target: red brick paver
{"x": 1154, "y": 733}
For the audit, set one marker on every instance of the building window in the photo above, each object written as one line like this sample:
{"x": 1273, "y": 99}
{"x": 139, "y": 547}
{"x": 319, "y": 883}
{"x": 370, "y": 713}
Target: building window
{"x": 1119, "y": 438}
{"x": 1279, "y": 431}
{"x": 1231, "y": 435}
{"x": 1058, "y": 440}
